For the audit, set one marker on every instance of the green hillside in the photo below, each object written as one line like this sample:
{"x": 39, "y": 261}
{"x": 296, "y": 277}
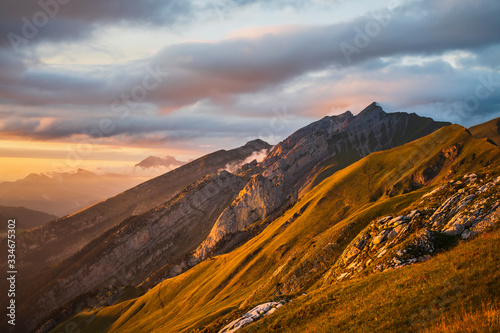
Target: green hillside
{"x": 293, "y": 254}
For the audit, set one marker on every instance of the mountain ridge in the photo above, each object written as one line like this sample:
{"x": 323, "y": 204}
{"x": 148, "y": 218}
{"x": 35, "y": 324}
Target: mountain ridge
{"x": 266, "y": 195}
{"x": 295, "y": 252}
{"x": 293, "y": 220}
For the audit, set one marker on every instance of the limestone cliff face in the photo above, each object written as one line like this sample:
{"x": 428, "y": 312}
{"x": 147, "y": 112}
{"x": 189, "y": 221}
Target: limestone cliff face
{"x": 129, "y": 253}
{"x": 330, "y": 143}
{"x": 339, "y": 141}
{"x": 260, "y": 197}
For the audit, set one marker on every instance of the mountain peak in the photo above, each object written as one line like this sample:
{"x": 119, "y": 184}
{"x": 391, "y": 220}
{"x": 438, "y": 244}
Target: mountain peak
{"x": 373, "y": 108}
{"x": 258, "y": 144}
{"x": 347, "y": 114}
{"x": 155, "y": 161}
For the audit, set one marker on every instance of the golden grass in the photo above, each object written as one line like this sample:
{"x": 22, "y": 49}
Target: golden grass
{"x": 470, "y": 320}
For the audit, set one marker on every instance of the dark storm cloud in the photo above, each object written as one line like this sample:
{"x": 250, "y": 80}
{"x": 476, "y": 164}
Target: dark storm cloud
{"x": 250, "y": 65}
{"x": 57, "y": 20}
{"x": 70, "y": 20}
{"x": 222, "y": 72}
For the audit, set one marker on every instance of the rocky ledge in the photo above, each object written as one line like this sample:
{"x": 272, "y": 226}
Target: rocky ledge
{"x": 458, "y": 209}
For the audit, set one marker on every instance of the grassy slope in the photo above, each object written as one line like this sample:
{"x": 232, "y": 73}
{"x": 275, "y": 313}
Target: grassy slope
{"x": 490, "y": 130}
{"x": 419, "y": 127}
{"x": 333, "y": 212}
{"x": 420, "y": 297}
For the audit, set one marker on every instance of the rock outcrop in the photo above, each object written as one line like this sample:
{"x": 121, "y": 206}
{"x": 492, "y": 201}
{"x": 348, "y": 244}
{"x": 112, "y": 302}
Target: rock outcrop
{"x": 255, "y": 314}
{"x": 460, "y": 208}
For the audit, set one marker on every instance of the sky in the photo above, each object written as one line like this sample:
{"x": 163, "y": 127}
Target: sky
{"x": 103, "y": 83}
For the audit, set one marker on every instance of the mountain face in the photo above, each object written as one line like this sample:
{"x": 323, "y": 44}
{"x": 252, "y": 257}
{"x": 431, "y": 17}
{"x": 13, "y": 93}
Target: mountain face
{"x": 155, "y": 162}
{"x": 132, "y": 251}
{"x": 312, "y": 153}
{"x": 25, "y": 218}
{"x": 317, "y": 150}
{"x": 315, "y": 212}
{"x": 391, "y": 212}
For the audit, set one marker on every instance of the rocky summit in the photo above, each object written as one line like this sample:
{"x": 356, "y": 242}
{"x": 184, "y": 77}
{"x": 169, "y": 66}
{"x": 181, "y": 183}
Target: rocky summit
{"x": 307, "y": 156}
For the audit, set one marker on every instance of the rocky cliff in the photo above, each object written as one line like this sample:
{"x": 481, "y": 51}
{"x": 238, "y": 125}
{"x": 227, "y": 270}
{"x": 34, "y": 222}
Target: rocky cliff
{"x": 129, "y": 253}
{"x": 309, "y": 155}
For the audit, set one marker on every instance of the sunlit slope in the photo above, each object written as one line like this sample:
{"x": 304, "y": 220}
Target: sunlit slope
{"x": 489, "y": 130}
{"x": 294, "y": 252}
{"x": 457, "y": 291}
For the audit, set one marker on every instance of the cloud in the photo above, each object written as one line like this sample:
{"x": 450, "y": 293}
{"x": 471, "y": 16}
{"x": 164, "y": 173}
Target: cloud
{"x": 242, "y": 78}
{"x": 257, "y": 156}
{"x": 220, "y": 70}
{"x": 58, "y": 20}
{"x": 69, "y": 20}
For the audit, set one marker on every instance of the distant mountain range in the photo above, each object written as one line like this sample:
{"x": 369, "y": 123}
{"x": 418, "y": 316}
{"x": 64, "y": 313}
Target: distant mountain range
{"x": 63, "y": 193}
{"x": 346, "y": 206}
{"x": 25, "y": 218}
{"x": 155, "y": 161}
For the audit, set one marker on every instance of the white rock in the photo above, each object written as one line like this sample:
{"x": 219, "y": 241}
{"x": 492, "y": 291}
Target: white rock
{"x": 454, "y": 230}
{"x": 342, "y": 276}
{"x": 256, "y": 313}
{"x": 436, "y": 190}
{"x": 467, "y": 234}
